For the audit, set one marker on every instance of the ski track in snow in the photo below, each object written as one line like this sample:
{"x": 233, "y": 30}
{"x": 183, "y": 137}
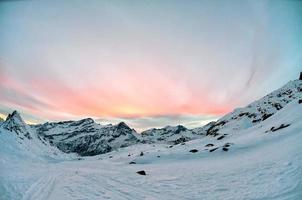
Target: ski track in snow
{"x": 41, "y": 189}
{"x": 85, "y": 182}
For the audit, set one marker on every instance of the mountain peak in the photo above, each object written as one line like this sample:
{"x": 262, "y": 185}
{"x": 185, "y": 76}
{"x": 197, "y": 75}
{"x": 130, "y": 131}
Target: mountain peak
{"x": 14, "y": 122}
{"x": 16, "y": 117}
{"x": 82, "y": 122}
{"x": 123, "y": 125}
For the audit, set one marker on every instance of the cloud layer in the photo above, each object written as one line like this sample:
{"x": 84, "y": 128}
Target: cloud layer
{"x": 149, "y": 62}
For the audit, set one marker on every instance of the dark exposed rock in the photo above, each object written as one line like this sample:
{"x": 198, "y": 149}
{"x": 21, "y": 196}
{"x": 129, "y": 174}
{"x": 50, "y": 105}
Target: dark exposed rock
{"x": 221, "y": 137}
{"x": 214, "y": 127}
{"x": 181, "y": 140}
{"x": 249, "y": 115}
{"x": 212, "y": 130}
{"x": 227, "y": 145}
{"x": 141, "y": 154}
{"x": 265, "y": 116}
{"x": 132, "y": 162}
{"x": 277, "y": 106}
{"x": 211, "y": 150}
{"x": 256, "y": 120}
{"x": 273, "y": 129}
{"x": 225, "y": 149}
{"x": 28, "y": 135}
{"x": 209, "y": 145}
{"x": 300, "y": 101}
{"x": 142, "y": 172}
{"x": 193, "y": 150}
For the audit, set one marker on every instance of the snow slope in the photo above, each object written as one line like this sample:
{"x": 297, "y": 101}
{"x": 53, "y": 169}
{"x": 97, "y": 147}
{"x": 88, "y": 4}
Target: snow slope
{"x": 254, "y": 113}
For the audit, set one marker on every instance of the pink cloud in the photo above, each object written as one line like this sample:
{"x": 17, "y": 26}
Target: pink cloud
{"x": 128, "y": 94}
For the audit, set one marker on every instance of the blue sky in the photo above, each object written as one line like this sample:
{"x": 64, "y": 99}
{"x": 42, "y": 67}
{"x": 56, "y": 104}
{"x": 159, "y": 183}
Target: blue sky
{"x": 149, "y": 63}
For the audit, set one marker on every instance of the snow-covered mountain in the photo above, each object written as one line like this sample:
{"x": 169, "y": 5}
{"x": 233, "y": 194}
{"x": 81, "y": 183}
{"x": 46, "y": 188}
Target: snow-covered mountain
{"x": 254, "y": 113}
{"x": 239, "y": 119}
{"x": 15, "y": 123}
{"x": 169, "y": 134}
{"x": 86, "y": 137}
{"x": 20, "y": 141}
{"x": 251, "y": 153}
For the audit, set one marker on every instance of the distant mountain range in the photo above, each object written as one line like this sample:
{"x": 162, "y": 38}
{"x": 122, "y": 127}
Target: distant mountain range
{"x": 87, "y": 138}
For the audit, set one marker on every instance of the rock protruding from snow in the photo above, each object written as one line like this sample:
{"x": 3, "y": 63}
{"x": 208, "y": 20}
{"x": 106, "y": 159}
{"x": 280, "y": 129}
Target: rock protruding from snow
{"x": 142, "y": 172}
{"x": 15, "y": 117}
{"x": 15, "y": 123}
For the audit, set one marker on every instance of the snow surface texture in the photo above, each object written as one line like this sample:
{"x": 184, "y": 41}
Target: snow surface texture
{"x": 241, "y": 160}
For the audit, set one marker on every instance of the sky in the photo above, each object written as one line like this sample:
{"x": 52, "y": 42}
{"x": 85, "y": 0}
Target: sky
{"x": 149, "y": 63}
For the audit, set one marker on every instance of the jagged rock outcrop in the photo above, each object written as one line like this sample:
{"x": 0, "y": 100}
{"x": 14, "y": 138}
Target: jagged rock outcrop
{"x": 15, "y": 123}
{"x": 86, "y": 137}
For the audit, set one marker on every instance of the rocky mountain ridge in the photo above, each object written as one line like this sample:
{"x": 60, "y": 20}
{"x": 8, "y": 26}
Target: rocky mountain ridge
{"x": 87, "y": 138}
{"x": 256, "y": 112}
{"x": 169, "y": 134}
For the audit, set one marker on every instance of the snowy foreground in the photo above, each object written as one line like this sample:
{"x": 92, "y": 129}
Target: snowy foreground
{"x": 259, "y": 164}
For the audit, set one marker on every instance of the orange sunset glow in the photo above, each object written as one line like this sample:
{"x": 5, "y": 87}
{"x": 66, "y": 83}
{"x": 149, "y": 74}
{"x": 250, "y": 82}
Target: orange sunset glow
{"x": 123, "y": 63}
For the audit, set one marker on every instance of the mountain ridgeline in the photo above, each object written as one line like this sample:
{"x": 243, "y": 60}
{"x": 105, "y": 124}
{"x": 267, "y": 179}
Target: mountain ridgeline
{"x": 88, "y": 138}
